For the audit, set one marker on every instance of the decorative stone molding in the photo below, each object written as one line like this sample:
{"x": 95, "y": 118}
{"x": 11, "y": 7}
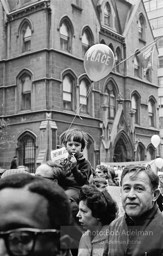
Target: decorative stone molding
{"x": 24, "y": 11}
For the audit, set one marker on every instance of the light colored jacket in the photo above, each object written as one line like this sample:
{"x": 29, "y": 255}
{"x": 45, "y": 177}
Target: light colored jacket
{"x": 94, "y": 247}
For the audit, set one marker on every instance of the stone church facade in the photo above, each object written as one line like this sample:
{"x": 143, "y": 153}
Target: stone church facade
{"x": 44, "y": 89}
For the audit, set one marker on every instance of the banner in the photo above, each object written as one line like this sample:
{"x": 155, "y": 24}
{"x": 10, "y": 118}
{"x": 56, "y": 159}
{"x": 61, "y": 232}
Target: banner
{"x": 118, "y": 166}
{"x": 59, "y": 154}
{"x": 123, "y": 164}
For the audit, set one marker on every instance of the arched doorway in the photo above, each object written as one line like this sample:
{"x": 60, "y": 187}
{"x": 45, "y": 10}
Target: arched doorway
{"x": 123, "y": 151}
{"x": 120, "y": 152}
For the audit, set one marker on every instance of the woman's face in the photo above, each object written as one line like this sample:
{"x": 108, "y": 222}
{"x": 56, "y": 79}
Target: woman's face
{"x": 85, "y": 217}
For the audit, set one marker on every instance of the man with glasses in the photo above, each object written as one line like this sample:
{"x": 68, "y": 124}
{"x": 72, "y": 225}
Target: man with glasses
{"x": 52, "y": 171}
{"x": 34, "y": 216}
{"x": 140, "y": 231}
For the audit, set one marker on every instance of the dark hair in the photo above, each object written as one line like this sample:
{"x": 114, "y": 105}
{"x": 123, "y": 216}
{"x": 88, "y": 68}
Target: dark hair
{"x": 113, "y": 176}
{"x": 58, "y": 205}
{"x": 102, "y": 168}
{"x": 101, "y": 203}
{"x": 77, "y": 135}
{"x": 135, "y": 169}
{"x": 112, "y": 172}
{"x": 107, "y": 174}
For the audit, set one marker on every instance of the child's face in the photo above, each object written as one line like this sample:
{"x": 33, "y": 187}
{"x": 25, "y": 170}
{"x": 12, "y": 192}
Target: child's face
{"x": 99, "y": 173}
{"x": 73, "y": 147}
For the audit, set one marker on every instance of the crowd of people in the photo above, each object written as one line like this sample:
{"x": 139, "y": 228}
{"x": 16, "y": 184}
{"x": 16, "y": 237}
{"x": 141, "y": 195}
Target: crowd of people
{"x": 67, "y": 208}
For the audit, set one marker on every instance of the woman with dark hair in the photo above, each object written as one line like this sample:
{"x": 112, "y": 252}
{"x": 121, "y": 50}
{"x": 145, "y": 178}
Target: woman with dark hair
{"x": 97, "y": 210}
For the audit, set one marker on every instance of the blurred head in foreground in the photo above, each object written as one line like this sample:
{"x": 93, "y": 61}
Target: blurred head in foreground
{"x": 33, "y": 212}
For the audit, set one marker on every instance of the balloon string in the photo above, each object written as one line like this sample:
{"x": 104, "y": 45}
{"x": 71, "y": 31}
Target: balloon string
{"x": 89, "y": 91}
{"x": 138, "y": 51}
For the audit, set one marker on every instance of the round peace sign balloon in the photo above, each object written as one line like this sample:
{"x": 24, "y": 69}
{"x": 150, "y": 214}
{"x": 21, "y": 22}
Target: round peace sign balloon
{"x": 98, "y": 61}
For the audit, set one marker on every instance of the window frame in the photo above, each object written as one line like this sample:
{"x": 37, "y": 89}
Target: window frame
{"x": 135, "y": 100}
{"x": 25, "y": 94}
{"x": 23, "y": 149}
{"x": 89, "y": 38}
{"x": 107, "y": 14}
{"x": 118, "y": 59}
{"x": 66, "y": 38}
{"x": 160, "y": 63}
{"x": 137, "y": 67}
{"x": 69, "y": 105}
{"x": 148, "y": 74}
{"x": 152, "y": 113}
{"x": 110, "y": 99}
{"x": 83, "y": 97}
{"x": 25, "y": 41}
{"x": 141, "y": 27}
{"x": 160, "y": 81}
{"x": 85, "y": 108}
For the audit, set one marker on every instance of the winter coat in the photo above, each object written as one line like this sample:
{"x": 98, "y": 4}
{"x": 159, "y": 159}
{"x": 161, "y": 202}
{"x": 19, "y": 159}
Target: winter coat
{"x": 77, "y": 176}
{"x": 141, "y": 238}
